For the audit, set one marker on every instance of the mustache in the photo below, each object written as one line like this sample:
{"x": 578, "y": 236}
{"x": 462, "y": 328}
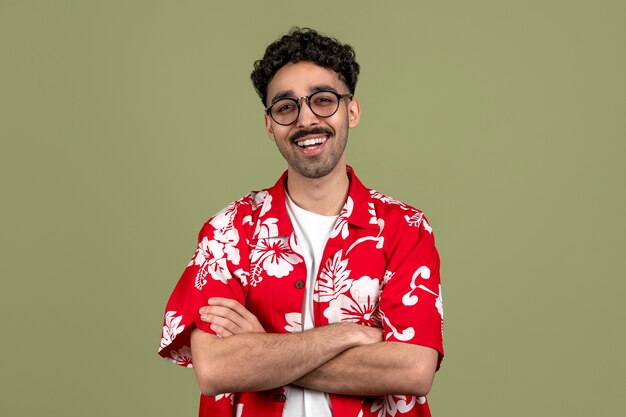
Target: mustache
{"x": 313, "y": 131}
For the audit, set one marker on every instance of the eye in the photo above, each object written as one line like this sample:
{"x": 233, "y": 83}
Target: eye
{"x": 324, "y": 99}
{"x": 283, "y": 106}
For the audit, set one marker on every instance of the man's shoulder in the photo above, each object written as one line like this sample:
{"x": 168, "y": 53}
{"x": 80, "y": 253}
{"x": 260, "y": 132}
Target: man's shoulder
{"x": 390, "y": 206}
{"x": 235, "y": 212}
{"x": 397, "y": 215}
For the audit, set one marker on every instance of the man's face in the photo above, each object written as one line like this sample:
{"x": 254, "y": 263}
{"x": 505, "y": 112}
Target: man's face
{"x": 313, "y": 146}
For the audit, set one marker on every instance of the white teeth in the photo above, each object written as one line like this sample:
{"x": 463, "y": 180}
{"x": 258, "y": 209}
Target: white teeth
{"x": 311, "y": 142}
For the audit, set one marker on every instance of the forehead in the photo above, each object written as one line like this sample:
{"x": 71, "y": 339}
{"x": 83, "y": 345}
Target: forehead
{"x": 302, "y": 78}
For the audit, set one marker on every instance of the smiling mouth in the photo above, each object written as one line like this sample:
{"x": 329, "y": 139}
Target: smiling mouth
{"x": 311, "y": 143}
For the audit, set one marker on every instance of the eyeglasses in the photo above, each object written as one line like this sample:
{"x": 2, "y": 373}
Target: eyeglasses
{"x": 286, "y": 111}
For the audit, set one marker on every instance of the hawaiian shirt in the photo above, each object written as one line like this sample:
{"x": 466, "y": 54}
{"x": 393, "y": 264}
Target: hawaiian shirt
{"x": 379, "y": 268}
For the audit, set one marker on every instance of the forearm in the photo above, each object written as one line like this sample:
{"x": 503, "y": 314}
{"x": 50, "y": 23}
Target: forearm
{"x": 382, "y": 368}
{"x": 261, "y": 361}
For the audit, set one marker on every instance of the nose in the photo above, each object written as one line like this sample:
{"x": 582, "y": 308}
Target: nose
{"x": 306, "y": 117}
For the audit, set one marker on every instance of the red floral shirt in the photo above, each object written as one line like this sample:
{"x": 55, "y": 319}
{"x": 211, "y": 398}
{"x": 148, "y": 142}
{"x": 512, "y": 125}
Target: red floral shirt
{"x": 379, "y": 268}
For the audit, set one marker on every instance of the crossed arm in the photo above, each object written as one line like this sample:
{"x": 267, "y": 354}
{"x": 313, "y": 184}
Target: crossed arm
{"x": 342, "y": 358}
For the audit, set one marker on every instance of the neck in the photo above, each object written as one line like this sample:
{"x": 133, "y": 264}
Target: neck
{"x": 325, "y": 195}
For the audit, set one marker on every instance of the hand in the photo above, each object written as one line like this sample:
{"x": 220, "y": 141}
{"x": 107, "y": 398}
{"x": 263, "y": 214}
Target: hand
{"x": 359, "y": 334}
{"x": 228, "y": 317}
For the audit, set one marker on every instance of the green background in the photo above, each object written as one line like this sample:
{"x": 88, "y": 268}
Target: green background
{"x": 126, "y": 124}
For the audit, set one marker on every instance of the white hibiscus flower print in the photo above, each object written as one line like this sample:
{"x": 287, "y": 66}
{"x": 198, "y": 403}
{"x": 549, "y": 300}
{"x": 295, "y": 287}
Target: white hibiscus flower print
{"x": 171, "y": 329}
{"x": 427, "y": 226}
{"x": 210, "y": 258}
{"x": 181, "y": 357}
{"x": 415, "y": 219}
{"x": 404, "y": 335}
{"x": 225, "y": 396}
{"x": 387, "y": 200}
{"x": 439, "y": 302}
{"x": 294, "y": 322}
{"x": 372, "y": 211}
{"x": 266, "y": 228}
{"x": 341, "y": 226}
{"x": 390, "y": 405}
{"x": 224, "y": 219}
{"x": 261, "y": 198}
{"x": 379, "y": 239}
{"x": 274, "y": 256}
{"x": 410, "y": 299}
{"x": 333, "y": 279}
{"x": 229, "y": 238}
{"x": 226, "y": 233}
{"x": 360, "y": 307}
{"x": 242, "y": 276}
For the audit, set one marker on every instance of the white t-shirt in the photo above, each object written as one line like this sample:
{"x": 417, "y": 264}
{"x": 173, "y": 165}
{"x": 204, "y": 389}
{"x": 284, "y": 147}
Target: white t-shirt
{"x": 312, "y": 231}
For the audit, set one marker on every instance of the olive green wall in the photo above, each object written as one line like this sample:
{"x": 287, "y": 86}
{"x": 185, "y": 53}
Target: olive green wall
{"x": 125, "y": 124}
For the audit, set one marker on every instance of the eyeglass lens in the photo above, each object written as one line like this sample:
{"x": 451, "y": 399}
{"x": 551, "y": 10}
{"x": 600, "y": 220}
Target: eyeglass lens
{"x": 322, "y": 104}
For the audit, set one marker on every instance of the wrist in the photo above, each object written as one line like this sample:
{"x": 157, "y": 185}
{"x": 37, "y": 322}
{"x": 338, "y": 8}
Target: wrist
{"x": 351, "y": 334}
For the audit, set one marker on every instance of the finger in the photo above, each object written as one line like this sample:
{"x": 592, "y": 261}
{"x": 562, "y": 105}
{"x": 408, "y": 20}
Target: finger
{"x": 220, "y": 331}
{"x": 233, "y": 305}
{"x": 217, "y": 301}
{"x": 223, "y": 323}
{"x": 235, "y": 312}
{"x": 229, "y": 303}
{"x": 206, "y": 317}
{"x": 228, "y": 314}
{"x": 222, "y": 301}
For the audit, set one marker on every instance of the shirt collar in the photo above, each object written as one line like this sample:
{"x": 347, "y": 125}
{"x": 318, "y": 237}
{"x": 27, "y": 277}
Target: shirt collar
{"x": 361, "y": 214}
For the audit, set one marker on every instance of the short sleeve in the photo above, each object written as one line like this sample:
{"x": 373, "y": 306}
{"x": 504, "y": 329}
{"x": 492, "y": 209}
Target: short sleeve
{"x": 411, "y": 301}
{"x": 215, "y": 270}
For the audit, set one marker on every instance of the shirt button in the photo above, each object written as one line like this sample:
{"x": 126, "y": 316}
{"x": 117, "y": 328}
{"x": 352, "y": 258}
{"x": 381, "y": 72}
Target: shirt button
{"x": 299, "y": 284}
{"x": 281, "y": 398}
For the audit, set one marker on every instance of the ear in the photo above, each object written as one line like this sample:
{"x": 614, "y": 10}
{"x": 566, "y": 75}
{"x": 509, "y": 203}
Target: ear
{"x": 268, "y": 127}
{"x": 354, "y": 113}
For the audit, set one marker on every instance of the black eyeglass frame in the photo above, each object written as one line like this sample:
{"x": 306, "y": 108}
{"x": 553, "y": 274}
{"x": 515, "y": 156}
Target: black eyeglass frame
{"x": 340, "y": 97}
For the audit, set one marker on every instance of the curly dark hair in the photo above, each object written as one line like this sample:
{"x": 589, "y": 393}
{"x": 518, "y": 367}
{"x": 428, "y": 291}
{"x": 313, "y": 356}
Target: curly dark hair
{"x": 305, "y": 45}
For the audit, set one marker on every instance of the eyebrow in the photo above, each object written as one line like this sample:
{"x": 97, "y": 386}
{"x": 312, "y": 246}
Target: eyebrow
{"x": 281, "y": 95}
{"x": 289, "y": 93}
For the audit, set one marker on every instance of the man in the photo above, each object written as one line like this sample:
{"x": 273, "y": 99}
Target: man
{"x": 317, "y": 296}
